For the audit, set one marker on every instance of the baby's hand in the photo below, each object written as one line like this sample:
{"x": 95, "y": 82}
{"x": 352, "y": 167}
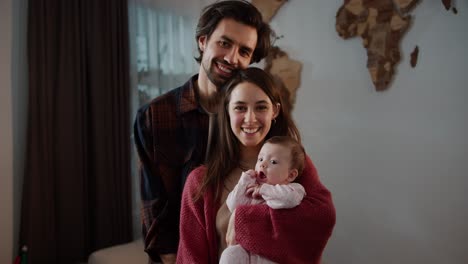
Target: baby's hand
{"x": 253, "y": 190}
{"x": 256, "y": 194}
{"x": 250, "y": 189}
{"x": 251, "y": 173}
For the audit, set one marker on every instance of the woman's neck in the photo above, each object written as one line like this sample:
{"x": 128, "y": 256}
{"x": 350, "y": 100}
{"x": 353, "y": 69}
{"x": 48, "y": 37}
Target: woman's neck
{"x": 248, "y": 156}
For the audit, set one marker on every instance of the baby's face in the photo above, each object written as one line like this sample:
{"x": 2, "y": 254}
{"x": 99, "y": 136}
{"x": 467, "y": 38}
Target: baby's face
{"x": 273, "y": 164}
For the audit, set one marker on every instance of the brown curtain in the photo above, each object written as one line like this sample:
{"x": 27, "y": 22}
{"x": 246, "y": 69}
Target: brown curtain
{"x": 77, "y": 188}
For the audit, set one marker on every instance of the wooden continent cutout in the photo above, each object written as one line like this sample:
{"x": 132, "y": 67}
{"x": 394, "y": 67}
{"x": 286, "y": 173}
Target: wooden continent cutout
{"x": 287, "y": 74}
{"x": 268, "y": 8}
{"x": 447, "y": 4}
{"x": 414, "y": 56}
{"x": 381, "y": 24}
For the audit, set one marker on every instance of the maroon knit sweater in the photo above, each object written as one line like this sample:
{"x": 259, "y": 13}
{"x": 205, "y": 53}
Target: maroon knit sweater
{"x": 296, "y": 235}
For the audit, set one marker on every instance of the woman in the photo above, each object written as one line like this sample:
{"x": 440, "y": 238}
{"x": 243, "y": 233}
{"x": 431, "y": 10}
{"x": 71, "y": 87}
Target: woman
{"x": 250, "y": 113}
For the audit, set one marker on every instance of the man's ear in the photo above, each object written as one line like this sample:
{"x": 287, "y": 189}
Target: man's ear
{"x": 293, "y": 173}
{"x": 202, "y": 42}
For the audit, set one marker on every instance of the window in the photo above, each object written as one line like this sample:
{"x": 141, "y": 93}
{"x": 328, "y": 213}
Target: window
{"x": 162, "y": 51}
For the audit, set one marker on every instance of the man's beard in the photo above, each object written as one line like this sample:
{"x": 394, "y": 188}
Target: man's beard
{"x": 218, "y": 80}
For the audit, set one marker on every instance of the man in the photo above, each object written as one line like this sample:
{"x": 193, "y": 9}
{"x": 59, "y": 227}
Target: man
{"x": 171, "y": 132}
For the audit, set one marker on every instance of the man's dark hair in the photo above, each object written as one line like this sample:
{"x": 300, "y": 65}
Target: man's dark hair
{"x": 241, "y": 11}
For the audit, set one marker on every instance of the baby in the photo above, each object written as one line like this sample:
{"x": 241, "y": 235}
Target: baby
{"x": 279, "y": 163}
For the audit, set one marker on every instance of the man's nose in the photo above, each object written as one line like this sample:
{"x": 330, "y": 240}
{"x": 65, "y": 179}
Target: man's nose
{"x": 232, "y": 56}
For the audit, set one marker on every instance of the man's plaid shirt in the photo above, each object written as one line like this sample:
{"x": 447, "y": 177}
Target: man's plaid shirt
{"x": 171, "y": 138}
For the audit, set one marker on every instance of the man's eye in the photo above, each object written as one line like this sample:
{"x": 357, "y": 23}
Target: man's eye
{"x": 223, "y": 44}
{"x": 245, "y": 53}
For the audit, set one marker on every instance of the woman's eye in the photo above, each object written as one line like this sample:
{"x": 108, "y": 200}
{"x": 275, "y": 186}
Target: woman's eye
{"x": 239, "y": 108}
{"x": 262, "y": 107}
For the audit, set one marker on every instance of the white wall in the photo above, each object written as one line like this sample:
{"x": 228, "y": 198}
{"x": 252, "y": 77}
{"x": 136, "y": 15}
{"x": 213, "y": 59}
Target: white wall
{"x": 6, "y": 136}
{"x": 395, "y": 161}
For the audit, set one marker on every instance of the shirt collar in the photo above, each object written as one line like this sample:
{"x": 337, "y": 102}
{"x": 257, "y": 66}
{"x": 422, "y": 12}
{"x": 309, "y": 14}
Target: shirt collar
{"x": 189, "y": 97}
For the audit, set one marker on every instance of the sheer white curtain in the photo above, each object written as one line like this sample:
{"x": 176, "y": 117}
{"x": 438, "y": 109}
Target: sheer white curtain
{"x": 163, "y": 47}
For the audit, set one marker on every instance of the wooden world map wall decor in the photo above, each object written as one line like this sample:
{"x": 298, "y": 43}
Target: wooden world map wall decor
{"x": 381, "y": 24}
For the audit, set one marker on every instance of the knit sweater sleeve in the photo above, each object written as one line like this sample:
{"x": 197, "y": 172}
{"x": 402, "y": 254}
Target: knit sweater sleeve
{"x": 296, "y": 235}
{"x": 196, "y": 242}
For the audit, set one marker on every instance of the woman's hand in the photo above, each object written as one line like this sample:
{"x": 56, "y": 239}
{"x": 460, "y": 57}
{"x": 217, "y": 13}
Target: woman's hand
{"x": 168, "y": 258}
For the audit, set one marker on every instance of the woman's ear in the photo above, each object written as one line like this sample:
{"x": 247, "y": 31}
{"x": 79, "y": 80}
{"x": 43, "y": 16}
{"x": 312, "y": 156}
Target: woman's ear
{"x": 276, "y": 110}
{"x": 293, "y": 173}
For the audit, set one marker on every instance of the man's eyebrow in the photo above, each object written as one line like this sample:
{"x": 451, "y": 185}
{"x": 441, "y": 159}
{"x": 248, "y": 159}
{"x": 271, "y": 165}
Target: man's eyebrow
{"x": 245, "y": 48}
{"x": 226, "y": 38}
